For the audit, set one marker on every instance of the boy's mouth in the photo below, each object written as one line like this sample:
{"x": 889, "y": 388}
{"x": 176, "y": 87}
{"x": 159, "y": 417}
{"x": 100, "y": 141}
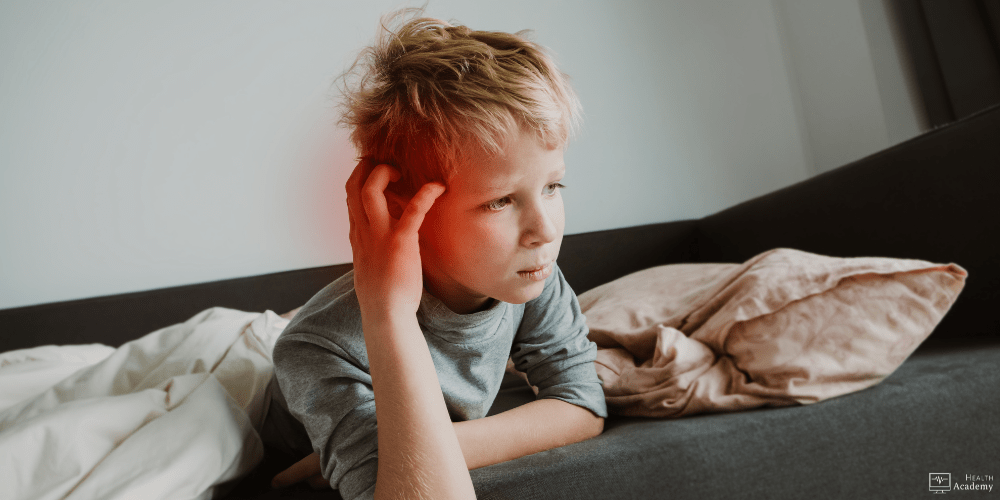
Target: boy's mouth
{"x": 537, "y": 273}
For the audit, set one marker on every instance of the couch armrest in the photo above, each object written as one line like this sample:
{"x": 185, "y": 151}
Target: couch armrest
{"x": 934, "y": 197}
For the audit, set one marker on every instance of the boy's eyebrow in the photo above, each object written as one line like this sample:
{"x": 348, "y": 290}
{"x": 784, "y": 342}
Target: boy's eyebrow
{"x": 492, "y": 189}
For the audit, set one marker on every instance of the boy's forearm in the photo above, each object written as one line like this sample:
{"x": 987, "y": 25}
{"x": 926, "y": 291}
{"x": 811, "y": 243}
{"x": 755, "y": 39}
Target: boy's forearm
{"x": 537, "y": 426}
{"x": 419, "y": 454}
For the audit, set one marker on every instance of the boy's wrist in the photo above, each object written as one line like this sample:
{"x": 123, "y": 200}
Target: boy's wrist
{"x": 388, "y": 321}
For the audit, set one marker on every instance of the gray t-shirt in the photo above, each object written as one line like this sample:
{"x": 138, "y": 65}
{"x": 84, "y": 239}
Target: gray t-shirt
{"x": 323, "y": 381}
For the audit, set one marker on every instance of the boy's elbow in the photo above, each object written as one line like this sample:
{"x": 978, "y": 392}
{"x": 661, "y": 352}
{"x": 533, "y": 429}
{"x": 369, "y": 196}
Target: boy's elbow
{"x": 591, "y": 427}
{"x": 584, "y": 430}
{"x": 598, "y": 427}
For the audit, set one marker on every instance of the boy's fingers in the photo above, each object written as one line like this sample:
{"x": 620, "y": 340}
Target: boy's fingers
{"x": 355, "y": 211}
{"x": 318, "y": 482}
{"x": 413, "y": 215}
{"x": 298, "y": 472}
{"x": 373, "y": 194}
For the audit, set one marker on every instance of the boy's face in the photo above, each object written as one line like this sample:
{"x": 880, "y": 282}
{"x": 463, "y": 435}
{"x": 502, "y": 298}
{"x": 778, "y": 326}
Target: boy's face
{"x": 496, "y": 231}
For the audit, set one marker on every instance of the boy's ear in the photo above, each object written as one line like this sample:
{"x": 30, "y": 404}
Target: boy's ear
{"x": 395, "y": 203}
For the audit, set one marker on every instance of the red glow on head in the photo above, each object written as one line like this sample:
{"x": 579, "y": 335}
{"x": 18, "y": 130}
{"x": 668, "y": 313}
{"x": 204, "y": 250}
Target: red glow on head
{"x": 470, "y": 251}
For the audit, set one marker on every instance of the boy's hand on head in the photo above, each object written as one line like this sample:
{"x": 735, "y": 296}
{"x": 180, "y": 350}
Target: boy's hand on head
{"x": 418, "y": 451}
{"x": 388, "y": 276}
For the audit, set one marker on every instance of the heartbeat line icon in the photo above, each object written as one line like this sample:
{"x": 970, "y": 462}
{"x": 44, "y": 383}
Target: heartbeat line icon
{"x": 939, "y": 479}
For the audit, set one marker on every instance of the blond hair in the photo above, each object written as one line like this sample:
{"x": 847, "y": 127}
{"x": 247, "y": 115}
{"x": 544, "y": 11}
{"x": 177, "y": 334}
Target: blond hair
{"x": 427, "y": 95}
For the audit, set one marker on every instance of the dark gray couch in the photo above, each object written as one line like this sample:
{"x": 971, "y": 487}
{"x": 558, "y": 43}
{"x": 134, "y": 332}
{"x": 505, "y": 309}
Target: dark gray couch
{"x": 934, "y": 198}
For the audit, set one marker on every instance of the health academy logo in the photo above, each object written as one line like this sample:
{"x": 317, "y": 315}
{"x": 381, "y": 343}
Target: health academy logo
{"x": 940, "y": 482}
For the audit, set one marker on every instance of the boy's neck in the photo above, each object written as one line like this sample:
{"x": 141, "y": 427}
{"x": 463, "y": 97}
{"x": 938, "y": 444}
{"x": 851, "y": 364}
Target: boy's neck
{"x": 458, "y": 303}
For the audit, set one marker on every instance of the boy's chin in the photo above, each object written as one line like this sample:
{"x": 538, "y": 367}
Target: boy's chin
{"x": 524, "y": 294}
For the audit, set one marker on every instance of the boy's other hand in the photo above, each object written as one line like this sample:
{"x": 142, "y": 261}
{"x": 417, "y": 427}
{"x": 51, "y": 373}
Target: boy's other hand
{"x": 388, "y": 276}
{"x": 307, "y": 470}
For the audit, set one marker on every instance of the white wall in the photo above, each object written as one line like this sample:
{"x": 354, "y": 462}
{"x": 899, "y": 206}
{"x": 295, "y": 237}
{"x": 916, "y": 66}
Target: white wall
{"x": 897, "y": 85}
{"x": 146, "y": 145}
{"x": 849, "y": 79}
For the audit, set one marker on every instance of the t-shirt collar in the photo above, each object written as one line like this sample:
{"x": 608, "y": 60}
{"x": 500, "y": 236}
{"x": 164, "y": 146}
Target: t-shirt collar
{"x": 437, "y": 319}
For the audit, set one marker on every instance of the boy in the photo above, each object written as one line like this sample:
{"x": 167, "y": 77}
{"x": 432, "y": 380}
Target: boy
{"x": 456, "y": 222}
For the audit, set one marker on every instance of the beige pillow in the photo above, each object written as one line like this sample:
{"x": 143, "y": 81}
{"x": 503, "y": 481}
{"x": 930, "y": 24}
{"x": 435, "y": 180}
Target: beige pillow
{"x": 785, "y": 327}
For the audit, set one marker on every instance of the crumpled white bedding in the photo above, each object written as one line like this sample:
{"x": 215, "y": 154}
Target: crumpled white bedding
{"x": 174, "y": 414}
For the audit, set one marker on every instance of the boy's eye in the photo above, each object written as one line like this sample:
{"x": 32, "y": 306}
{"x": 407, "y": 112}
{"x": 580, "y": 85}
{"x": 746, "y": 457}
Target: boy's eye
{"x": 498, "y": 204}
{"x": 551, "y": 188}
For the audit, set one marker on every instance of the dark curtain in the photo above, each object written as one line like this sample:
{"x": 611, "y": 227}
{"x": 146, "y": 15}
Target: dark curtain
{"x": 954, "y": 46}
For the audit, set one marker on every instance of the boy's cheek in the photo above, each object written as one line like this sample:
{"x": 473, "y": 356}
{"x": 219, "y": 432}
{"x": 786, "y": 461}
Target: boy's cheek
{"x": 437, "y": 244}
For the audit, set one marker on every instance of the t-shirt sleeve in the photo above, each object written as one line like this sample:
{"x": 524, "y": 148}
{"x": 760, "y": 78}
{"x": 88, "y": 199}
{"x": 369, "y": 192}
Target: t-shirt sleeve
{"x": 552, "y": 348}
{"x": 327, "y": 390}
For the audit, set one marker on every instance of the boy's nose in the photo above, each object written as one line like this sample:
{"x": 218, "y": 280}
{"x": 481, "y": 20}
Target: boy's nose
{"x": 539, "y": 225}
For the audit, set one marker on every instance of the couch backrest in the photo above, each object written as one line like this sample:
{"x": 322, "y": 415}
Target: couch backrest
{"x": 116, "y": 319}
{"x": 590, "y": 259}
{"x": 587, "y": 260}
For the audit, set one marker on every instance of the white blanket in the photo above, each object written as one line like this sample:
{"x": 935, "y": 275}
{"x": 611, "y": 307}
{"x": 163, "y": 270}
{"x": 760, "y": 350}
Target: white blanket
{"x": 171, "y": 415}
